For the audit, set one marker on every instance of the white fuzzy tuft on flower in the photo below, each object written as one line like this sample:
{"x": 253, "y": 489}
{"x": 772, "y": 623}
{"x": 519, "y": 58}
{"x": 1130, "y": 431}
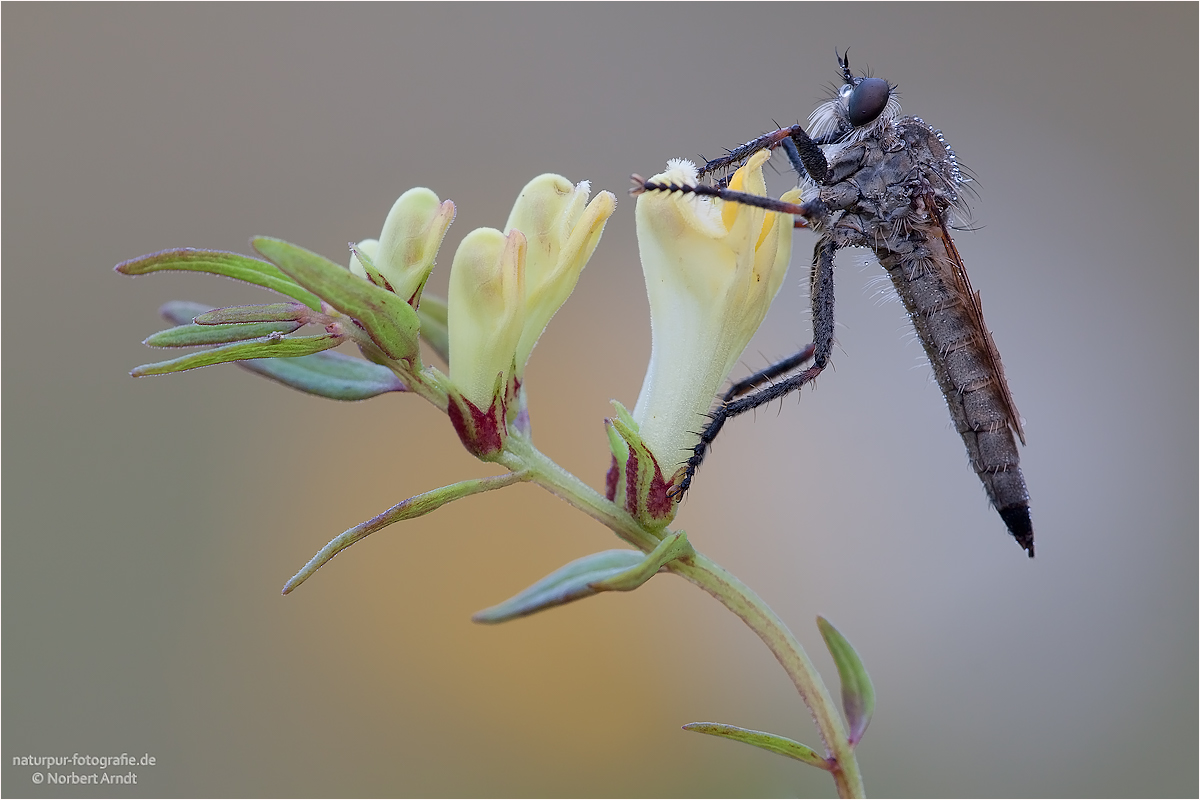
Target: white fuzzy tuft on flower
{"x": 688, "y": 171}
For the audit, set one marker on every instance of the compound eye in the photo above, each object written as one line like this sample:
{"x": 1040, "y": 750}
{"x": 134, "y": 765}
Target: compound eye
{"x": 867, "y": 101}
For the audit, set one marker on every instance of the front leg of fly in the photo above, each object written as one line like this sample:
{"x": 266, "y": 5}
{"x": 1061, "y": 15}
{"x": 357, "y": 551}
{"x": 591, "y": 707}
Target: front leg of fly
{"x": 848, "y": 161}
{"x": 822, "y": 307}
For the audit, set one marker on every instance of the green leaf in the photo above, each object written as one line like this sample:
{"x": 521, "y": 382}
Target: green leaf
{"x": 183, "y": 312}
{"x": 435, "y": 329}
{"x": 670, "y": 548}
{"x": 767, "y": 741}
{"x": 858, "y": 693}
{"x": 272, "y": 312}
{"x": 265, "y": 347}
{"x": 218, "y": 262}
{"x": 571, "y": 582}
{"x": 389, "y": 320}
{"x": 336, "y": 376}
{"x": 409, "y": 509}
{"x": 193, "y": 335}
{"x": 609, "y": 571}
{"x": 373, "y": 274}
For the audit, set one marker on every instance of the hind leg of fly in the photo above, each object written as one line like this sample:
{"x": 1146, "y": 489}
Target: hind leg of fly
{"x": 747, "y": 395}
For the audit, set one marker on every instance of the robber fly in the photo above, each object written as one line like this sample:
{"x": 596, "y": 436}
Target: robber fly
{"x": 889, "y": 183}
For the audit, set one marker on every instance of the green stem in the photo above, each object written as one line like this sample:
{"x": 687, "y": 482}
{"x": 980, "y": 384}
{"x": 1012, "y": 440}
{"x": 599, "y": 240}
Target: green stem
{"x": 746, "y": 604}
{"x": 714, "y": 579}
{"x": 520, "y": 454}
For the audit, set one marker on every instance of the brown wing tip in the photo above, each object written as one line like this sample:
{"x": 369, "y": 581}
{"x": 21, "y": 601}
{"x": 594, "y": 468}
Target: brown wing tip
{"x": 1015, "y": 424}
{"x": 1019, "y": 525}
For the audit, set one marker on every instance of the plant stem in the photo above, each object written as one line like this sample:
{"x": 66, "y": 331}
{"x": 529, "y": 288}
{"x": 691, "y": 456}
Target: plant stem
{"x": 746, "y": 604}
{"x": 520, "y": 454}
{"x": 714, "y": 579}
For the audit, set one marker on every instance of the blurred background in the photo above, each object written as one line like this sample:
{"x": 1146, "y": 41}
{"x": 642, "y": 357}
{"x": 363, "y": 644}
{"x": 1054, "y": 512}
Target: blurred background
{"x": 150, "y": 524}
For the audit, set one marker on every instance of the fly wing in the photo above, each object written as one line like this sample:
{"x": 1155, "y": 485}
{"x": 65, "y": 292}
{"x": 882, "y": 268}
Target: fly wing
{"x": 975, "y": 311}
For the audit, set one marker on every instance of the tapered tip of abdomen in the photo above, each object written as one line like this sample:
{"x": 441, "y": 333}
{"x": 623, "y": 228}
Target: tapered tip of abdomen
{"x": 1019, "y": 525}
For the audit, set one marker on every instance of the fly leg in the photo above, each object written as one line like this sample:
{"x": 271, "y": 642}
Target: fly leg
{"x": 746, "y": 385}
{"x": 747, "y": 398}
{"x": 804, "y": 153}
{"x": 641, "y": 185}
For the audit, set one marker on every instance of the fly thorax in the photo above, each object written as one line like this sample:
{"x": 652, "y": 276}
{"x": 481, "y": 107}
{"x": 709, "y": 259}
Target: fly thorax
{"x": 840, "y": 196}
{"x": 887, "y": 137}
{"x": 939, "y": 166}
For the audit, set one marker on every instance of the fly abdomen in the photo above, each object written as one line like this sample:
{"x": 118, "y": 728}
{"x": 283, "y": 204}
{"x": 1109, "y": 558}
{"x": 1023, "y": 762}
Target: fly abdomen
{"x": 966, "y": 367}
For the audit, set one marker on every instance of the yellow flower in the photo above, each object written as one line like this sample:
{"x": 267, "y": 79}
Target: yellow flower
{"x": 504, "y": 288}
{"x": 404, "y": 253}
{"x": 712, "y": 269}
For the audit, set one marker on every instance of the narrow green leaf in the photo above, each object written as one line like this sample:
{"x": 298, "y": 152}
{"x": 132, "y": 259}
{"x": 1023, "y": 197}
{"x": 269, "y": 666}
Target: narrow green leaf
{"x": 183, "y": 312}
{"x": 858, "y": 693}
{"x": 571, "y": 582}
{"x": 272, "y": 312}
{"x": 767, "y": 741}
{"x": 412, "y": 507}
{"x": 389, "y": 320}
{"x": 218, "y": 262}
{"x": 609, "y": 571}
{"x": 336, "y": 376}
{"x": 193, "y": 335}
{"x": 265, "y": 347}
{"x": 625, "y": 417}
{"x": 435, "y": 329}
{"x": 373, "y": 274}
{"x": 670, "y": 548}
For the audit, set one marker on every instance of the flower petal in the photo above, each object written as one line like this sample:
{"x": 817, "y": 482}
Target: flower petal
{"x": 486, "y": 311}
{"x": 562, "y": 230}
{"x": 712, "y": 269}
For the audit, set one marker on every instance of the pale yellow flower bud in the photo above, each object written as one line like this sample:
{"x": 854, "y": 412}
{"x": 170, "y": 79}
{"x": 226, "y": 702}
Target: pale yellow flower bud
{"x": 405, "y": 251}
{"x": 486, "y": 313}
{"x": 562, "y": 230}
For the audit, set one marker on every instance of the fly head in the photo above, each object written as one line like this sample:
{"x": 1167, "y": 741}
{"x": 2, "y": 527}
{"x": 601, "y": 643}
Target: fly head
{"x": 859, "y": 108}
